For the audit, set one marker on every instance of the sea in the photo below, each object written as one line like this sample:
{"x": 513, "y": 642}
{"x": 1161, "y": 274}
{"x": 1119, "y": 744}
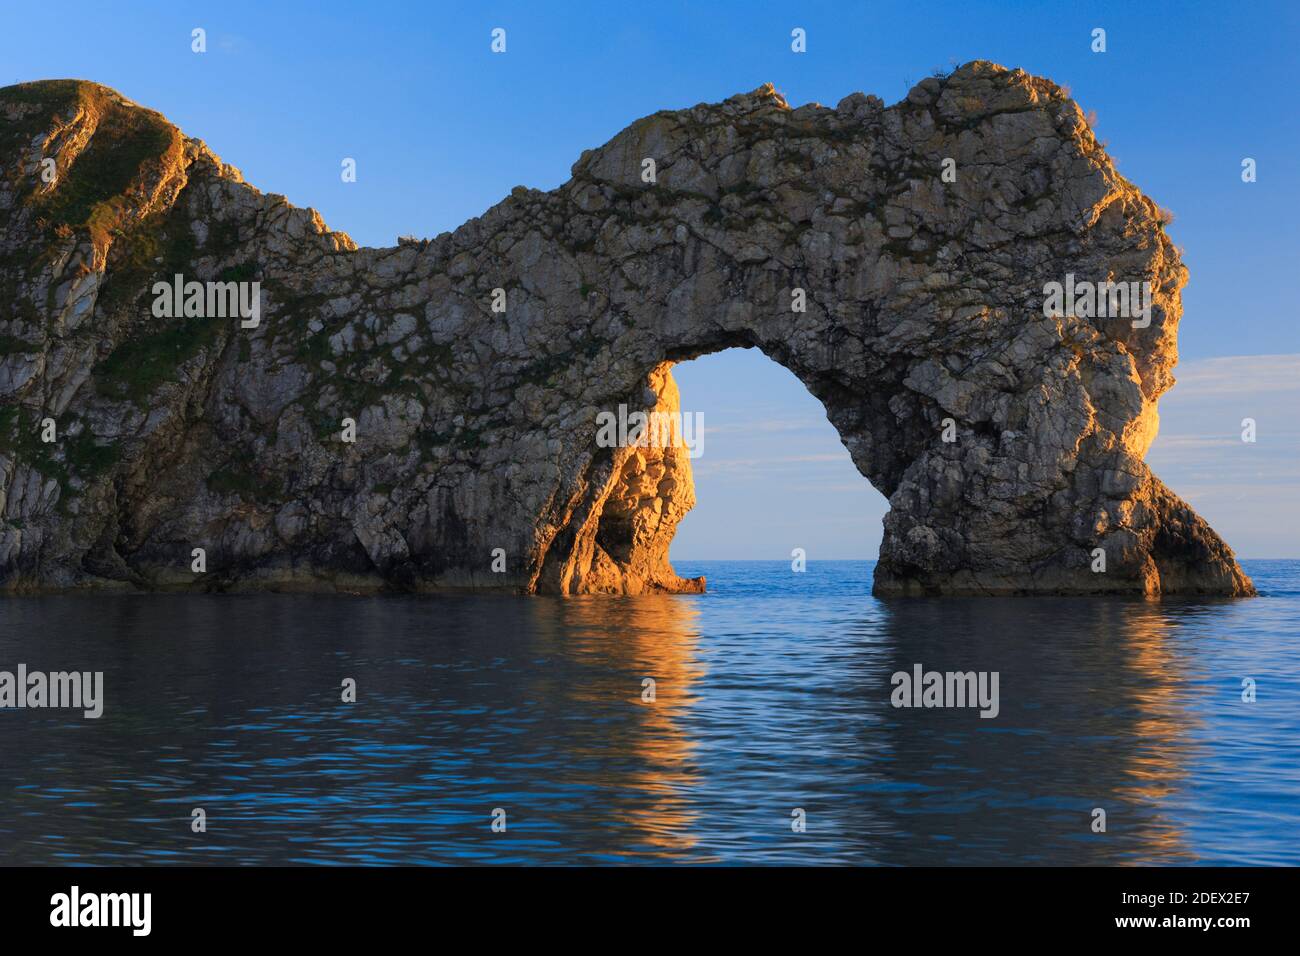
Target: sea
{"x": 756, "y": 724}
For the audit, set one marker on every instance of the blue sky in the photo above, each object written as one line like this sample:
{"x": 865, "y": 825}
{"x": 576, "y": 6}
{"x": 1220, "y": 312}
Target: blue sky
{"x": 442, "y": 129}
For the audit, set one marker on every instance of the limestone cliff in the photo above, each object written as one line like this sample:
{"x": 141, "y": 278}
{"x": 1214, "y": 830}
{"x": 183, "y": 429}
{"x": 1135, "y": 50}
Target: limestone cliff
{"x": 476, "y": 430}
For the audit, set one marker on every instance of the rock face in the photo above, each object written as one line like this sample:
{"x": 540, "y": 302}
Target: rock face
{"x": 476, "y": 431}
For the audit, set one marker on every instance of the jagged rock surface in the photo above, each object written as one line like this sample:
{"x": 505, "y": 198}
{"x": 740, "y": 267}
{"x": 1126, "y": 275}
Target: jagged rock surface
{"x": 476, "y": 431}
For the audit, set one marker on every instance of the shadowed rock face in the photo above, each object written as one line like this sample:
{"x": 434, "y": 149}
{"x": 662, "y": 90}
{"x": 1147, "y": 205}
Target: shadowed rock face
{"x": 478, "y": 430}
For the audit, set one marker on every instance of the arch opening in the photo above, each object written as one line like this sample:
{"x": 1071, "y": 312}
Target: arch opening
{"x": 785, "y": 477}
{"x": 773, "y": 474}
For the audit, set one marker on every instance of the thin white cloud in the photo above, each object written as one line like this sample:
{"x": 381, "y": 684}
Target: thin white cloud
{"x": 704, "y": 464}
{"x": 763, "y": 425}
{"x": 1246, "y": 491}
{"x": 1238, "y": 375}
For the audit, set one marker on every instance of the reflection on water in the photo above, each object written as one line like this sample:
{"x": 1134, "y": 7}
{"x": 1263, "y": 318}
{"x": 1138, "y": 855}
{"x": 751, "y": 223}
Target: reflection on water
{"x": 619, "y": 639}
{"x": 1156, "y": 773}
{"x": 1094, "y": 715}
{"x": 770, "y": 693}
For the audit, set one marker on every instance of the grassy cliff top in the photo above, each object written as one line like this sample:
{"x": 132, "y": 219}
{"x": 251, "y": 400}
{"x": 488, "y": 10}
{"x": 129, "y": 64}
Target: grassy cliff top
{"x": 109, "y": 153}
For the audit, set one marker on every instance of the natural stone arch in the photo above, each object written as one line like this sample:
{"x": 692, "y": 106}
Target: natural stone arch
{"x": 476, "y": 430}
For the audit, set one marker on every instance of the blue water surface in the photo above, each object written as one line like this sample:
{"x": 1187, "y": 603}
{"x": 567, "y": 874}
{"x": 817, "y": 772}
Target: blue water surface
{"x": 771, "y": 704}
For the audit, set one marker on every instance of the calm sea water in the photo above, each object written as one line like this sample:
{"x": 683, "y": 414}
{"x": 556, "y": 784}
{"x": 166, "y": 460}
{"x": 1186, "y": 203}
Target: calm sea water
{"x": 772, "y": 693}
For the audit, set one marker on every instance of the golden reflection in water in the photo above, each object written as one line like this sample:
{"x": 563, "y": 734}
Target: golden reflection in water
{"x": 625, "y": 640}
{"x": 1161, "y": 731}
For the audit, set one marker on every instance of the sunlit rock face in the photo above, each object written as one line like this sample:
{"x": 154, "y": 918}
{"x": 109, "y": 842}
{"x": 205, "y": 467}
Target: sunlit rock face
{"x": 476, "y": 461}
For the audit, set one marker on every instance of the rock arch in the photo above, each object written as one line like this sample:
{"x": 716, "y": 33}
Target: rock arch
{"x": 477, "y": 430}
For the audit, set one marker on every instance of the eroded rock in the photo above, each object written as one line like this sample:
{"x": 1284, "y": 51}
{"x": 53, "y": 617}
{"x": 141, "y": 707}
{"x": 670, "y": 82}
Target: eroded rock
{"x": 476, "y": 430}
